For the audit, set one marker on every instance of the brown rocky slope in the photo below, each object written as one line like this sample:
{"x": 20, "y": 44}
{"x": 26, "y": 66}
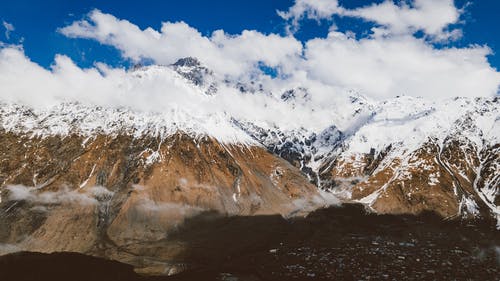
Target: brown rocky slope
{"x": 109, "y": 195}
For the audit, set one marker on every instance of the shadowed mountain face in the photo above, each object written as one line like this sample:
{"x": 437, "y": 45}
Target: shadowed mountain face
{"x": 340, "y": 243}
{"x": 336, "y": 243}
{"x": 62, "y": 266}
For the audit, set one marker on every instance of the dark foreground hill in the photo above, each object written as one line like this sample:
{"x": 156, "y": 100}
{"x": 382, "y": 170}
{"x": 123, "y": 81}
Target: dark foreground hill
{"x": 330, "y": 244}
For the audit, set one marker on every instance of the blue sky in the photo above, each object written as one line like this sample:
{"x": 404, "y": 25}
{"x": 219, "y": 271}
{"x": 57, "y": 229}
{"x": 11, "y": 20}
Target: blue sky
{"x": 35, "y": 23}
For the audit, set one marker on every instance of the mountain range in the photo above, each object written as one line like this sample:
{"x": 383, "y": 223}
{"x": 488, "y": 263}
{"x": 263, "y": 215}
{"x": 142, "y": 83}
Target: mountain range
{"x": 114, "y": 180}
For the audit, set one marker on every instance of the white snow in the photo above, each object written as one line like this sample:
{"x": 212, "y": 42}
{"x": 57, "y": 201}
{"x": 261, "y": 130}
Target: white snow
{"x": 433, "y": 178}
{"x": 87, "y": 120}
{"x": 469, "y": 205}
{"x": 405, "y": 122}
{"x": 370, "y": 199}
{"x": 84, "y": 183}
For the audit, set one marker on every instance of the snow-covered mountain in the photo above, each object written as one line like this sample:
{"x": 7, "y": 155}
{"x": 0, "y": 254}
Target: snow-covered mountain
{"x": 408, "y": 155}
{"x": 89, "y": 177}
{"x": 360, "y": 150}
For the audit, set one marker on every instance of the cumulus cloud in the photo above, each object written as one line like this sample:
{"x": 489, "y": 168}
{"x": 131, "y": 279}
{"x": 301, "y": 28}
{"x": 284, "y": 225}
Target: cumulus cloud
{"x": 386, "y": 67}
{"x": 9, "y": 27}
{"x": 433, "y": 17}
{"x": 380, "y": 67}
{"x": 224, "y": 53}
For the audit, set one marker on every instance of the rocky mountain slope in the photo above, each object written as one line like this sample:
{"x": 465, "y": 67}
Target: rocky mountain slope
{"x": 113, "y": 181}
{"x": 101, "y": 193}
{"x": 408, "y": 156}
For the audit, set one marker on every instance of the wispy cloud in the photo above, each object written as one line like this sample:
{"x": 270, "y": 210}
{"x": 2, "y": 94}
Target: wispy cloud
{"x": 182, "y": 210}
{"x": 8, "y": 29}
{"x": 88, "y": 196}
{"x": 432, "y": 17}
{"x": 8, "y": 248}
{"x": 310, "y": 9}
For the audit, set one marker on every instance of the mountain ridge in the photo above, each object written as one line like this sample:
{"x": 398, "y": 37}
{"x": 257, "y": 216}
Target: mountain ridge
{"x": 368, "y": 139}
{"x": 94, "y": 178}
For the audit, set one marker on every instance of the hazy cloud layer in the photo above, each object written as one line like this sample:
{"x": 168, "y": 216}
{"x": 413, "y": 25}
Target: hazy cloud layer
{"x": 9, "y": 248}
{"x": 88, "y": 196}
{"x": 150, "y": 206}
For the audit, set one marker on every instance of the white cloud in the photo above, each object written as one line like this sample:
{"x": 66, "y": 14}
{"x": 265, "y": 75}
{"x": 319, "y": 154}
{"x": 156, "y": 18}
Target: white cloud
{"x": 433, "y": 17}
{"x": 430, "y": 16}
{"x": 8, "y": 29}
{"x": 183, "y": 210}
{"x": 227, "y": 54}
{"x": 156, "y": 89}
{"x": 89, "y": 196}
{"x": 9, "y": 248}
{"x": 311, "y": 9}
{"x": 378, "y": 67}
{"x": 386, "y": 67}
